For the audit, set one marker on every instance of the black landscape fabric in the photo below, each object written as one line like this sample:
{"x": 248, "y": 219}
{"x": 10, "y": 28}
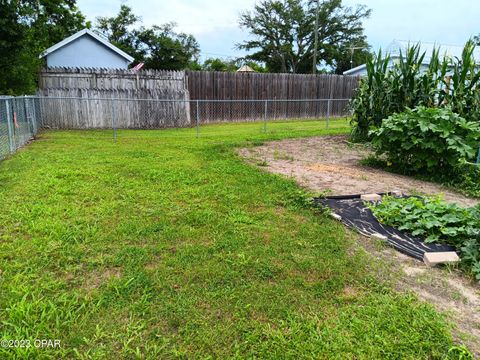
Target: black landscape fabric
{"x": 359, "y": 217}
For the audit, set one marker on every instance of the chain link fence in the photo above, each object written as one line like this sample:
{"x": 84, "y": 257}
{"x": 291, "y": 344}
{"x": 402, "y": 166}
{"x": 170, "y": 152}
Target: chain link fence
{"x": 19, "y": 122}
{"x": 128, "y": 113}
{"x": 21, "y": 117}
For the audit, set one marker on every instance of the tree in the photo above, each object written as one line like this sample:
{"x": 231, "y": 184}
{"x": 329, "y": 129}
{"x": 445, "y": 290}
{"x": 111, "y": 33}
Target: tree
{"x": 284, "y": 32}
{"x": 12, "y": 62}
{"x": 120, "y": 31}
{"x": 168, "y": 50}
{"x": 159, "y": 47}
{"x": 27, "y": 27}
{"x": 352, "y": 55}
{"x": 216, "y": 64}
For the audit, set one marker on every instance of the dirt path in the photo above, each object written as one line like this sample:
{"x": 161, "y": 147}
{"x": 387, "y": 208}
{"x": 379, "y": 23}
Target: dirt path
{"x": 331, "y": 164}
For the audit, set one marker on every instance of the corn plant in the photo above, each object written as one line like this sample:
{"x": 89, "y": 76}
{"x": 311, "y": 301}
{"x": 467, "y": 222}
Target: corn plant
{"x": 371, "y": 103}
{"x": 461, "y": 88}
{"x": 393, "y": 86}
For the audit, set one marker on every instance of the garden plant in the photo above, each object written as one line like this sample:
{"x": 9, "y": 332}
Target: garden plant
{"x": 435, "y": 220}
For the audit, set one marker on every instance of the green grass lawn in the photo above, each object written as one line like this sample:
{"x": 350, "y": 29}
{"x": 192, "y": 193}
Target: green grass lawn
{"x": 163, "y": 245}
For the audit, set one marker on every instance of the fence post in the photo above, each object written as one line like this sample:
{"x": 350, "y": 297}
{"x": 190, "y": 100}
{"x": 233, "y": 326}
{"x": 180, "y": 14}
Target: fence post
{"x": 198, "y": 120}
{"x": 114, "y": 125}
{"x": 265, "y": 117}
{"x": 34, "y": 116}
{"x": 27, "y": 117}
{"x": 328, "y": 111}
{"x": 9, "y": 126}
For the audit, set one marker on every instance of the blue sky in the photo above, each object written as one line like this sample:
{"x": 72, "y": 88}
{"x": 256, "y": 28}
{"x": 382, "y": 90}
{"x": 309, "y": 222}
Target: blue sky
{"x": 215, "y": 23}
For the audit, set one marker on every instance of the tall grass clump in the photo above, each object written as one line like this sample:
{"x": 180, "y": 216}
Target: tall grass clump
{"x": 391, "y": 86}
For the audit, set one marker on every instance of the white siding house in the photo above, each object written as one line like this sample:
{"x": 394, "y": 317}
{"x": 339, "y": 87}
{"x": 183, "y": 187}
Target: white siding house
{"x": 398, "y": 46}
{"x": 86, "y": 49}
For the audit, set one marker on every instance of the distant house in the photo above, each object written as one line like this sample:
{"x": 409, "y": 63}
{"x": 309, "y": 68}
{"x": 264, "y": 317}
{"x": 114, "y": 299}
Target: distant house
{"x": 86, "y": 49}
{"x": 397, "y": 46}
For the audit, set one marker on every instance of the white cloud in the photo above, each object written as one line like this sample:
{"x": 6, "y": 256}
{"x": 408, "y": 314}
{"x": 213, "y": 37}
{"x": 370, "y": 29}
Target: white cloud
{"x": 441, "y": 21}
{"x": 215, "y": 23}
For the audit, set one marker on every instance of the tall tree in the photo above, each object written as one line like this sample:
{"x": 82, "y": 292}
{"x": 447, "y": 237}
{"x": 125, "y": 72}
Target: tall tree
{"x": 120, "y": 31}
{"x": 284, "y": 32}
{"x": 159, "y": 47}
{"x": 167, "y": 49}
{"x": 27, "y": 27}
{"x": 217, "y": 64}
{"x": 13, "y": 64}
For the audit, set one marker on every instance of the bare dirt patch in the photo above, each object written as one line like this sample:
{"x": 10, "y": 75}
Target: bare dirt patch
{"x": 96, "y": 279}
{"x": 331, "y": 164}
{"x": 447, "y": 289}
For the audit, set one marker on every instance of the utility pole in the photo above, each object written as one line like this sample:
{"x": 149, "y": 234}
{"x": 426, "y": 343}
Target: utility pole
{"x": 352, "y": 49}
{"x": 315, "y": 49}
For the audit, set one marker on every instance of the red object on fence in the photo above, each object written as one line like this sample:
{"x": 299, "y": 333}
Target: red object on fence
{"x": 138, "y": 66}
{"x": 15, "y": 120}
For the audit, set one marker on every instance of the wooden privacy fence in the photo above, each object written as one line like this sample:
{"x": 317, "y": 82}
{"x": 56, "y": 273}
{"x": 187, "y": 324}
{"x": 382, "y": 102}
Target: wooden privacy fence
{"x": 228, "y": 92}
{"x": 93, "y": 108}
{"x": 216, "y": 85}
{"x": 110, "y": 79}
{"x": 66, "y": 90}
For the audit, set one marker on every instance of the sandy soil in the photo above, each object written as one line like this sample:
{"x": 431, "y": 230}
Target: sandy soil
{"x": 446, "y": 288}
{"x": 331, "y": 164}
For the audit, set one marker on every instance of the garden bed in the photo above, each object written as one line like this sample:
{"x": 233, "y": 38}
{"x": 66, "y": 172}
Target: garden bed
{"x": 332, "y": 165}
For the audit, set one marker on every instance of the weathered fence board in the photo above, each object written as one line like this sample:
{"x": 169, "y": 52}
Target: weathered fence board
{"x": 70, "y": 109}
{"x": 215, "y": 85}
{"x": 116, "y": 79}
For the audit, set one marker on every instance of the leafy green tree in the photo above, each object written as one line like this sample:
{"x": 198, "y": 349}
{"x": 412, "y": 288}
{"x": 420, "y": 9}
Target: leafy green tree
{"x": 28, "y": 27}
{"x": 168, "y": 50}
{"x": 12, "y": 59}
{"x": 284, "y": 33}
{"x": 51, "y": 21}
{"x": 120, "y": 31}
{"x": 159, "y": 47}
{"x": 216, "y": 64}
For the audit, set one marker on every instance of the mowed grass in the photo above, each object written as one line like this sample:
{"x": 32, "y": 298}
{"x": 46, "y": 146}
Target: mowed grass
{"x": 164, "y": 246}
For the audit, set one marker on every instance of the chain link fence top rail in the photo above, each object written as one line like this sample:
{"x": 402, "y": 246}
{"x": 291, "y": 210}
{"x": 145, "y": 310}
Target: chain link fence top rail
{"x": 21, "y": 117}
{"x": 19, "y": 122}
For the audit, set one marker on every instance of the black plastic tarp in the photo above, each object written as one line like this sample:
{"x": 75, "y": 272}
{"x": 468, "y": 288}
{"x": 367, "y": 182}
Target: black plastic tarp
{"x": 359, "y": 217}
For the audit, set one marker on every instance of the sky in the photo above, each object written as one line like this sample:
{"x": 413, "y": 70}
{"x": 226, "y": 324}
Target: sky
{"x": 214, "y": 23}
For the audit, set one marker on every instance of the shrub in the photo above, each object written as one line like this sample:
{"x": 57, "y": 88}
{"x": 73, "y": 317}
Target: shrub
{"x": 434, "y": 220}
{"x": 466, "y": 179}
{"x": 426, "y": 140}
